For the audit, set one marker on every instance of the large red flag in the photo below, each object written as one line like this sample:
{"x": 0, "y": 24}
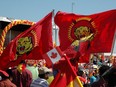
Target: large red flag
{"x": 39, "y": 36}
{"x": 98, "y": 29}
{"x": 66, "y": 76}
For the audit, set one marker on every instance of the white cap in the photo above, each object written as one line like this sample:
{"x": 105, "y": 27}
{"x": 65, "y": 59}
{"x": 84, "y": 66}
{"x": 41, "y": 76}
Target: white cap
{"x": 43, "y": 70}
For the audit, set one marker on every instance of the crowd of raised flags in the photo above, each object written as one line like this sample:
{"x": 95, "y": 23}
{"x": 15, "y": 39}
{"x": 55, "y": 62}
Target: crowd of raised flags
{"x": 79, "y": 36}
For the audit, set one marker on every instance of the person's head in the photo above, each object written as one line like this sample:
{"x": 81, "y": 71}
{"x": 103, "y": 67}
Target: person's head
{"x": 44, "y": 72}
{"x": 80, "y": 73}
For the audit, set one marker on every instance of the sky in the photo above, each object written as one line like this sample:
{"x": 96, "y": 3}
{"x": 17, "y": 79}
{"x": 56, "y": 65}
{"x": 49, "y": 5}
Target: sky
{"x": 34, "y": 10}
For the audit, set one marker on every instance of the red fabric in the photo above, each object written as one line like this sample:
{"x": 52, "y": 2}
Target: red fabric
{"x": 35, "y": 54}
{"x": 102, "y": 25}
{"x": 7, "y": 83}
{"x": 41, "y": 35}
{"x": 79, "y": 54}
{"x": 15, "y": 62}
{"x": 4, "y": 73}
{"x": 71, "y": 52}
{"x": 22, "y": 80}
{"x": 82, "y": 79}
{"x": 65, "y": 75}
{"x": 59, "y": 81}
{"x": 84, "y": 58}
{"x": 83, "y": 47}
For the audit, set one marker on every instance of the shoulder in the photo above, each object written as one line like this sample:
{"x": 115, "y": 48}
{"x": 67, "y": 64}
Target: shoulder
{"x": 39, "y": 82}
{"x": 6, "y": 83}
{"x": 1, "y": 83}
{"x": 27, "y": 72}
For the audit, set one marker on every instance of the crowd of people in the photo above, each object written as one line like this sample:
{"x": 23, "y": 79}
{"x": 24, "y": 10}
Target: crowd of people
{"x": 36, "y": 75}
{"x": 23, "y": 76}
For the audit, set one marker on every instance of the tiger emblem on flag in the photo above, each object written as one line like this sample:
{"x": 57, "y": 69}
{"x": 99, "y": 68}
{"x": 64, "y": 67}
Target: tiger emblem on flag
{"x": 82, "y": 29}
{"x": 24, "y": 45}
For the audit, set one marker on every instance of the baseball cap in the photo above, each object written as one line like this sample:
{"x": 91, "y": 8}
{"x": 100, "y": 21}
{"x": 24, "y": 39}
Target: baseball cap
{"x": 44, "y": 70}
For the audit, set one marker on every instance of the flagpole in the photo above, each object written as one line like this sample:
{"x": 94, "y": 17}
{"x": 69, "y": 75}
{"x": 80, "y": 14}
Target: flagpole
{"x": 111, "y": 55}
{"x": 79, "y": 82}
{"x": 112, "y": 50}
{"x": 55, "y": 29}
{"x": 55, "y": 34}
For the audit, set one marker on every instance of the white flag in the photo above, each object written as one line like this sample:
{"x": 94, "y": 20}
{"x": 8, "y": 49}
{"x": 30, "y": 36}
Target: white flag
{"x": 53, "y": 56}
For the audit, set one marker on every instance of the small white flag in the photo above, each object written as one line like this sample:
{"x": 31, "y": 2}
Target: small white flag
{"x": 53, "y": 56}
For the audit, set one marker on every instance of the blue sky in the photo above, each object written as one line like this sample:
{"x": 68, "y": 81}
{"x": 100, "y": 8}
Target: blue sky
{"x": 34, "y": 10}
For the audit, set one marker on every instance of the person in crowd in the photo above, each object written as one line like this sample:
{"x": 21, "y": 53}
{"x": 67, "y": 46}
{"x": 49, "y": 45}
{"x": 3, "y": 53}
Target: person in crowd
{"x": 21, "y": 76}
{"x": 110, "y": 76}
{"x": 32, "y": 67}
{"x": 102, "y": 82}
{"x": 82, "y": 77}
{"x": 92, "y": 76}
{"x": 41, "y": 81}
{"x": 96, "y": 73}
{"x": 4, "y": 80}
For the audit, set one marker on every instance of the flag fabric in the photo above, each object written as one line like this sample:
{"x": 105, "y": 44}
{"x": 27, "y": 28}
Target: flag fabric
{"x": 40, "y": 34}
{"x": 98, "y": 29}
{"x": 66, "y": 76}
{"x": 53, "y": 56}
{"x": 84, "y": 58}
{"x": 35, "y": 54}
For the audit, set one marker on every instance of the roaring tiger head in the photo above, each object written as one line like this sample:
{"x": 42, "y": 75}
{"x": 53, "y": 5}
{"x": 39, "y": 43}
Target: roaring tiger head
{"x": 81, "y": 32}
{"x": 24, "y": 45}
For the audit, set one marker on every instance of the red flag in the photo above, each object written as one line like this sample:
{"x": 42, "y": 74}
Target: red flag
{"x": 97, "y": 28}
{"x": 66, "y": 76}
{"x": 35, "y": 54}
{"x": 39, "y": 34}
{"x": 84, "y": 58}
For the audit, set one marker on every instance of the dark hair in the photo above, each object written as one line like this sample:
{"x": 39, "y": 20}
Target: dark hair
{"x": 9, "y": 71}
{"x": 80, "y": 73}
{"x": 103, "y": 68}
{"x": 22, "y": 62}
{"x": 41, "y": 75}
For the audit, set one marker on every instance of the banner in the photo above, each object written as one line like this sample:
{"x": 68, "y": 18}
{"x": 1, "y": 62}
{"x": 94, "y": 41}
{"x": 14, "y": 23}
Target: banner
{"x": 98, "y": 29}
{"x": 40, "y": 34}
